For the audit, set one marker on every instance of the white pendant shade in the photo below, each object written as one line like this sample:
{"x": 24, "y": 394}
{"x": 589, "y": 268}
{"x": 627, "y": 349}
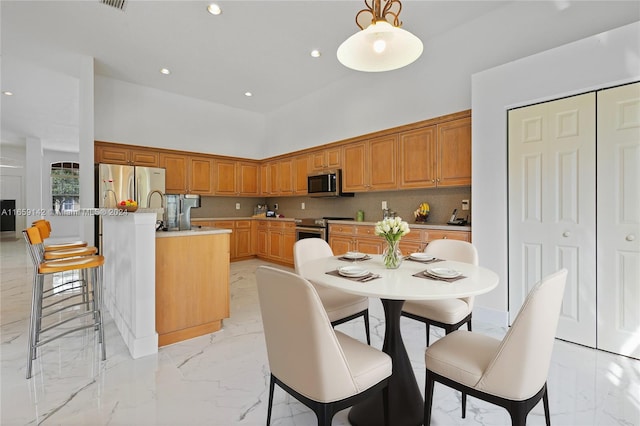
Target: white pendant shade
{"x": 380, "y": 47}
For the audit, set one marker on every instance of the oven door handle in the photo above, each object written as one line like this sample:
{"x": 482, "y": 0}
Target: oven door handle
{"x": 310, "y": 229}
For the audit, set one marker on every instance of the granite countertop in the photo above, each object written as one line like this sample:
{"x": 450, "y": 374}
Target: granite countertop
{"x": 194, "y": 231}
{"x": 441, "y": 226}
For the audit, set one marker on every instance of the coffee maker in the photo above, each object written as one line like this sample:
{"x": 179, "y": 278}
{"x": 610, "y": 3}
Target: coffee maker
{"x": 178, "y": 211}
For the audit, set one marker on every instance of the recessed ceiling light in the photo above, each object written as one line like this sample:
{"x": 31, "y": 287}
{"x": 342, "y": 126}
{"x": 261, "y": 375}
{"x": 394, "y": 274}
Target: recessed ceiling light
{"x": 214, "y": 9}
{"x": 248, "y": 94}
{"x": 315, "y": 53}
{"x": 7, "y": 93}
{"x": 165, "y": 71}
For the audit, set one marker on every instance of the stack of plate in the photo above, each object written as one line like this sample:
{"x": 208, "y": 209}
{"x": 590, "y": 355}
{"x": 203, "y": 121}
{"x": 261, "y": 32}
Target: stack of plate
{"x": 442, "y": 273}
{"x": 421, "y": 257}
{"x": 352, "y": 271}
{"x": 354, "y": 255}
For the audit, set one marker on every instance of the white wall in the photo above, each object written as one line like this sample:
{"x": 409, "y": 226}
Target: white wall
{"x": 600, "y": 61}
{"x": 137, "y": 115}
{"x": 439, "y": 82}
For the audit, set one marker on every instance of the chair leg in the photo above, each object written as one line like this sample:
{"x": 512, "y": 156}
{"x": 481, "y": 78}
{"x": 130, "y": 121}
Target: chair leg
{"x": 427, "y": 334}
{"x": 545, "y": 402}
{"x": 469, "y": 324}
{"x": 464, "y": 405}
{"x": 324, "y": 413}
{"x": 272, "y": 384}
{"x": 518, "y": 413}
{"x": 366, "y": 326}
{"x": 428, "y": 397}
{"x": 31, "y": 348}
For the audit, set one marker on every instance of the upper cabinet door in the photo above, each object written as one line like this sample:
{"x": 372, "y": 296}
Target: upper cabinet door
{"x": 201, "y": 176}
{"x": 418, "y": 158}
{"x": 355, "y": 167}
{"x": 382, "y": 162}
{"x": 454, "y": 153}
{"x": 225, "y": 183}
{"x": 176, "y": 166}
{"x": 247, "y": 179}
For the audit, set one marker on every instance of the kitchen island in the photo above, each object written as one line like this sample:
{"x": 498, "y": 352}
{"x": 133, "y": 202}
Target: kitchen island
{"x": 130, "y": 276}
{"x": 192, "y": 283}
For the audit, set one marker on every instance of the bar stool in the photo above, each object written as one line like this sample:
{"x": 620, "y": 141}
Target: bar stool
{"x": 65, "y": 252}
{"x": 45, "y": 228}
{"x": 92, "y": 264}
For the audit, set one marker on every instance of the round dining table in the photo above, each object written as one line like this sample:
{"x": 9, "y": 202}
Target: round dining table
{"x": 393, "y": 287}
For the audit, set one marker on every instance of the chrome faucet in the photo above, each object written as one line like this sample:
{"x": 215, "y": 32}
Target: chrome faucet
{"x": 162, "y": 201}
{"x": 106, "y": 195}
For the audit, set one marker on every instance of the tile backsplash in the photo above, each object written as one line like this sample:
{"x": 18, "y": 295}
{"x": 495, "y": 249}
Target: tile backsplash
{"x": 441, "y": 200}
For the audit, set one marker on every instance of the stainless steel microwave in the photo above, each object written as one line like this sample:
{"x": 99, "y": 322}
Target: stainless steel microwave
{"x": 326, "y": 184}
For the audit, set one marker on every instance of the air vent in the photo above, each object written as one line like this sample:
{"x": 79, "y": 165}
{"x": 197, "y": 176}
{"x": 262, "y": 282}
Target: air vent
{"x": 118, "y": 4}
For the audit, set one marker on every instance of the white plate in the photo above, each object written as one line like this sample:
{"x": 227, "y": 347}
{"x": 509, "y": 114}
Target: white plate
{"x": 443, "y": 272}
{"x": 423, "y": 257}
{"x": 354, "y": 255}
{"x": 352, "y": 271}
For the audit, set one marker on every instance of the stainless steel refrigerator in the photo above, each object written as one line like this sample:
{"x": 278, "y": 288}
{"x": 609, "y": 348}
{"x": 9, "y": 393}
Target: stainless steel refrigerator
{"x": 116, "y": 183}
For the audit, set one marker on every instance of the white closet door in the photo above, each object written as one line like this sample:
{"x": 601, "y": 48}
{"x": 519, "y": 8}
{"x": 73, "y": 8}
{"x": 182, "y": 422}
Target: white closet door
{"x": 552, "y": 203}
{"x": 619, "y": 220}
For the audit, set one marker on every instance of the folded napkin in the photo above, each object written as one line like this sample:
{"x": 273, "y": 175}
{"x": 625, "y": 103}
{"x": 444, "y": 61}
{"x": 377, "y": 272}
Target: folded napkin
{"x": 370, "y": 276}
{"x": 425, "y": 274}
{"x": 348, "y": 259}
{"x": 424, "y": 261}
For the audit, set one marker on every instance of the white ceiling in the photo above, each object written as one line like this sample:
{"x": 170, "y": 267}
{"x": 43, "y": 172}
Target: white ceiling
{"x": 258, "y": 46}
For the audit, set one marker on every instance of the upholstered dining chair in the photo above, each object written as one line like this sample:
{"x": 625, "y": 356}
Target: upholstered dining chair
{"x": 511, "y": 373}
{"x": 340, "y": 306}
{"x": 324, "y": 369}
{"x": 449, "y": 314}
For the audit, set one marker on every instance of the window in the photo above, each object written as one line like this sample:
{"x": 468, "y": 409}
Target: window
{"x": 65, "y": 187}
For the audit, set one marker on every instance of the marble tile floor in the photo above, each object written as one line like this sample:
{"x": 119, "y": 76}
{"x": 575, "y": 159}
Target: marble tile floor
{"x": 222, "y": 378}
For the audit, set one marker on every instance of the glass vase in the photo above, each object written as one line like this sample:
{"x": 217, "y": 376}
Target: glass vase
{"x": 392, "y": 255}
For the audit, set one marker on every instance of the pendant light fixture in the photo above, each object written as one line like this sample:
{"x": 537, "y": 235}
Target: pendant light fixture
{"x": 382, "y": 45}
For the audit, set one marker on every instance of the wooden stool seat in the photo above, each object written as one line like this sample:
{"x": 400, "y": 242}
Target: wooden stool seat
{"x": 65, "y": 246}
{"x": 74, "y": 252}
{"x": 70, "y": 264}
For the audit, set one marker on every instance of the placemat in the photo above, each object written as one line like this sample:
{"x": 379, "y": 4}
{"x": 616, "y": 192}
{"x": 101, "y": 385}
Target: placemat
{"x": 423, "y": 261}
{"x": 347, "y": 259}
{"x": 365, "y": 278}
{"x": 422, "y": 274}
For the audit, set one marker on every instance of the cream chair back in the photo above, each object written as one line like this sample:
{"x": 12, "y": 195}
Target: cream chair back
{"x": 302, "y": 347}
{"x": 309, "y": 249}
{"x": 456, "y": 250}
{"x": 521, "y": 366}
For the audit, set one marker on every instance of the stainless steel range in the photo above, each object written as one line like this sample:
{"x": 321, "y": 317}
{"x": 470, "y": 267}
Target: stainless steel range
{"x": 315, "y": 228}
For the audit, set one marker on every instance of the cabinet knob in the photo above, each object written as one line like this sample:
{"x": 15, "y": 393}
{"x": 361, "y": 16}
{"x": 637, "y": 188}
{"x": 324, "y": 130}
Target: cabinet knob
{"x": 433, "y": 181}
{"x": 566, "y": 234}
{"x": 630, "y": 237}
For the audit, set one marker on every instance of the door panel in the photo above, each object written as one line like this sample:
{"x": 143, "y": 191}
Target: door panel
{"x": 552, "y": 207}
{"x": 619, "y": 220}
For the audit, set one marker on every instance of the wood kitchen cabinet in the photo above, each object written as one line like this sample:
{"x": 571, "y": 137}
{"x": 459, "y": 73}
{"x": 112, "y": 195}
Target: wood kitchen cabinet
{"x": 436, "y": 156}
{"x": 188, "y": 174}
{"x": 191, "y": 301}
{"x": 454, "y": 153}
{"x": 240, "y": 242}
{"x": 276, "y": 177}
{"x": 300, "y": 173}
{"x": 238, "y": 178}
{"x": 275, "y": 240}
{"x": 329, "y": 158}
{"x": 370, "y": 165}
{"x": 362, "y": 238}
{"x": 122, "y": 154}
